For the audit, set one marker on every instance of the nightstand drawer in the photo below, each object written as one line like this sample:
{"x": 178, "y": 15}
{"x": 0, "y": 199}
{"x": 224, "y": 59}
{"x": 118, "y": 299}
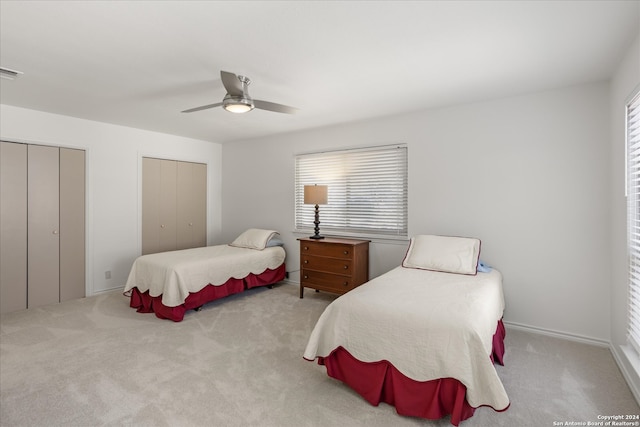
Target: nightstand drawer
{"x": 321, "y": 249}
{"x": 329, "y": 265}
{"x": 327, "y": 281}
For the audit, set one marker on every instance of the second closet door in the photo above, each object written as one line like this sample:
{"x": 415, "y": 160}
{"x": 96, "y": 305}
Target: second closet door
{"x": 174, "y": 205}
{"x": 158, "y": 205}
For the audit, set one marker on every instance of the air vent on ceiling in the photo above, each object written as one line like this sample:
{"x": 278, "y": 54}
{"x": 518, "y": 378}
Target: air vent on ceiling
{"x": 9, "y": 74}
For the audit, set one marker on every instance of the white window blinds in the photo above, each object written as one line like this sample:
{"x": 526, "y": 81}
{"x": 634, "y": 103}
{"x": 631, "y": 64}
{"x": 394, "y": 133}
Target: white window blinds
{"x": 367, "y": 191}
{"x": 633, "y": 217}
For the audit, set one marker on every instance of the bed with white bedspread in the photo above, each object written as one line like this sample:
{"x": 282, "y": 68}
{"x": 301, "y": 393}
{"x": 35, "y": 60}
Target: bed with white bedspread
{"x": 419, "y": 326}
{"x": 169, "y": 283}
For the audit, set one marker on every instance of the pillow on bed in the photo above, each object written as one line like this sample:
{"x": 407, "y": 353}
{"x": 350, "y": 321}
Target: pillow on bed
{"x": 443, "y": 253}
{"x": 254, "y": 238}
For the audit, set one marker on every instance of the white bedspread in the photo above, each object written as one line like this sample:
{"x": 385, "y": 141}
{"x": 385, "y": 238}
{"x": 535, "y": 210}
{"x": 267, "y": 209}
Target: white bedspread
{"x": 429, "y": 325}
{"x": 175, "y": 274}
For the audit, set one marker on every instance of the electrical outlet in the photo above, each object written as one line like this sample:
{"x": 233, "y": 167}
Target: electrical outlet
{"x": 107, "y": 274}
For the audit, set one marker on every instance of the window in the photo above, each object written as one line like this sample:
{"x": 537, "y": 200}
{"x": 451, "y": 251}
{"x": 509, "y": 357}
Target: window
{"x": 633, "y": 217}
{"x": 367, "y": 191}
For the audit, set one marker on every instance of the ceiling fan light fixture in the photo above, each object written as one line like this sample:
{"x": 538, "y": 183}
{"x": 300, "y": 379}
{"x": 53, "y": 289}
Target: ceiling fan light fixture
{"x": 237, "y": 99}
{"x": 237, "y": 104}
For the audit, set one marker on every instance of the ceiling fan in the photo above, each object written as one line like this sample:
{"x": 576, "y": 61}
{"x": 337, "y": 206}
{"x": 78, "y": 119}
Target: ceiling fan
{"x": 238, "y": 100}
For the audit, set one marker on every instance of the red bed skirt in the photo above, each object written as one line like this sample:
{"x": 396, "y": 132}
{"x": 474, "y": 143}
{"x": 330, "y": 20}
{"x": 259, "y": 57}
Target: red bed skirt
{"x": 381, "y": 382}
{"x": 144, "y": 303}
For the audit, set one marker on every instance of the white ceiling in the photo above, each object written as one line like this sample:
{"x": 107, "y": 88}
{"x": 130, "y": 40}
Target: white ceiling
{"x": 139, "y": 63}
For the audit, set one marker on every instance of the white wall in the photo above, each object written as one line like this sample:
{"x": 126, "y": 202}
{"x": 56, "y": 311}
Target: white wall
{"x": 626, "y": 79}
{"x": 114, "y": 156}
{"x": 528, "y": 175}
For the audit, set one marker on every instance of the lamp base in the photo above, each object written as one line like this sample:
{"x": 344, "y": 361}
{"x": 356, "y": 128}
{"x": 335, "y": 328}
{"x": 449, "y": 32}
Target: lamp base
{"x": 316, "y": 229}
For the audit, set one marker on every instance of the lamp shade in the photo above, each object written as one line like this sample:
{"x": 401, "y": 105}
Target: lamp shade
{"x": 315, "y": 194}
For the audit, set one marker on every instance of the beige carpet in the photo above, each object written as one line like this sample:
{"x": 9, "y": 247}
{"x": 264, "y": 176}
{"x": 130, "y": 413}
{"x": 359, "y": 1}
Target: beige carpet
{"x": 238, "y": 362}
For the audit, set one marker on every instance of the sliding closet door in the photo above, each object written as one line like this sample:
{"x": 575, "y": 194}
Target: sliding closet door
{"x": 150, "y": 205}
{"x": 191, "y": 205}
{"x": 158, "y": 205}
{"x": 168, "y": 187}
{"x": 43, "y": 224}
{"x": 13, "y": 226}
{"x": 199, "y": 237}
{"x": 72, "y": 224}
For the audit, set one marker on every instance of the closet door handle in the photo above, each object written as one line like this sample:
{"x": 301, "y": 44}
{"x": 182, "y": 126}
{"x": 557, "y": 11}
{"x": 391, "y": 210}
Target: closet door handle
{"x": 190, "y": 224}
{"x": 162, "y": 226}
{"x": 55, "y": 231}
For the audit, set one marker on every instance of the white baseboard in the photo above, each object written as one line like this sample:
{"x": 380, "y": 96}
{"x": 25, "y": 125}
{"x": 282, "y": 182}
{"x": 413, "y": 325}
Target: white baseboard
{"x": 557, "y": 334}
{"x": 627, "y": 359}
{"x": 104, "y": 291}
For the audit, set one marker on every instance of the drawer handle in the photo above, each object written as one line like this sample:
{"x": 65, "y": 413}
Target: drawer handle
{"x": 346, "y": 252}
{"x": 306, "y": 277}
{"x": 306, "y": 261}
{"x": 346, "y": 283}
{"x": 306, "y": 248}
{"x": 346, "y": 267}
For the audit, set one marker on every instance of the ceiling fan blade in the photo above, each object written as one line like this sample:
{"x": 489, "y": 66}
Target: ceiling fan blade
{"x": 272, "y": 106}
{"x": 231, "y": 83}
{"x": 204, "y": 107}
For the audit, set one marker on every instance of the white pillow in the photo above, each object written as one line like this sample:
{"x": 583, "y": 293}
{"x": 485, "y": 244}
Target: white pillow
{"x": 254, "y": 238}
{"x": 443, "y": 253}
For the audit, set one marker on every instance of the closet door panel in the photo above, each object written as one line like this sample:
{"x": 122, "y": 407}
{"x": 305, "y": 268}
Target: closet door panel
{"x": 150, "y": 205}
{"x": 174, "y": 205}
{"x": 200, "y": 205}
{"x": 13, "y": 226}
{"x": 72, "y": 224}
{"x": 191, "y": 205}
{"x": 43, "y": 242}
{"x": 184, "y": 200}
{"x": 168, "y": 214}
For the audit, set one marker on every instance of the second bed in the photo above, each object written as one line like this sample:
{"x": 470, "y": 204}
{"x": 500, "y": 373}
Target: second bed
{"x": 170, "y": 283}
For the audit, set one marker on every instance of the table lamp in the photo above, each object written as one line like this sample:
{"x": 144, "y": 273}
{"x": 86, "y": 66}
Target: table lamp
{"x": 315, "y": 195}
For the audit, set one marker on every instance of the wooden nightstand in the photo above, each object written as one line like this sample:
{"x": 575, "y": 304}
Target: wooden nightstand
{"x": 333, "y": 265}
